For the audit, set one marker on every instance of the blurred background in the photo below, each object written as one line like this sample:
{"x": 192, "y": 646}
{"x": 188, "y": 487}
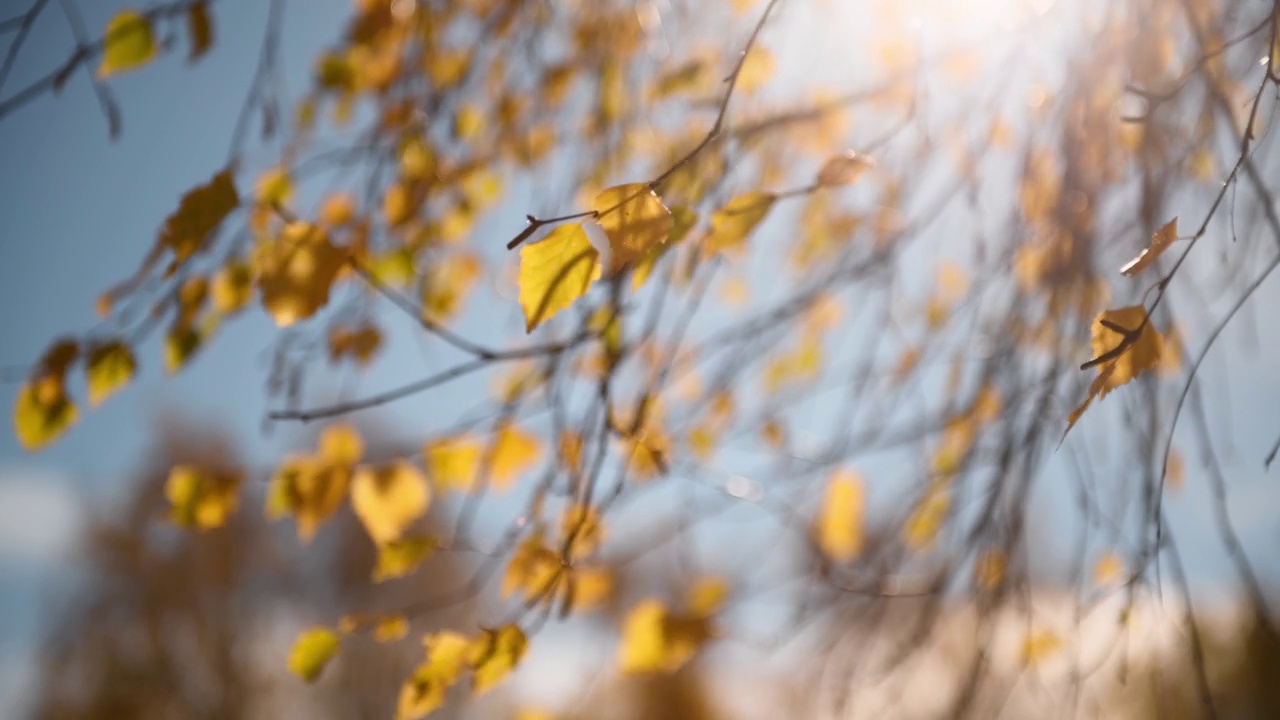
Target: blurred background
{"x": 109, "y": 610}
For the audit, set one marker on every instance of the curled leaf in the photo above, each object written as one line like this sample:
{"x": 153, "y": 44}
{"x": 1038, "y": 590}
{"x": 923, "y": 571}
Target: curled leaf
{"x": 1160, "y": 241}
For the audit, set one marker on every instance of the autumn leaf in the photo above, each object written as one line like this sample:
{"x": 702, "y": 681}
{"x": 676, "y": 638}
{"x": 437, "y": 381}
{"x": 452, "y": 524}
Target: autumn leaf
{"x": 313, "y": 650}
{"x": 1040, "y": 645}
{"x": 731, "y": 224}
{"x": 200, "y": 30}
{"x": 109, "y": 368}
{"x": 128, "y": 43}
{"x": 296, "y": 272}
{"x": 200, "y": 212}
{"x": 446, "y": 284}
{"x": 683, "y": 220}
{"x": 427, "y": 689}
{"x": 655, "y": 641}
{"x": 1160, "y": 241}
{"x": 989, "y": 569}
{"x": 399, "y": 558}
{"x": 1108, "y": 570}
{"x": 388, "y": 499}
{"x": 494, "y": 654}
{"x": 925, "y": 522}
{"x": 232, "y": 287}
{"x": 555, "y": 272}
{"x": 839, "y": 525}
{"x": 43, "y": 410}
{"x": 533, "y": 570}
{"x": 843, "y": 169}
{"x": 634, "y": 220}
{"x": 202, "y": 498}
{"x": 757, "y": 69}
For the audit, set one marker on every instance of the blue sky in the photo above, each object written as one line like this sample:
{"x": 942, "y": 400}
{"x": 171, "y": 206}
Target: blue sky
{"x": 79, "y": 212}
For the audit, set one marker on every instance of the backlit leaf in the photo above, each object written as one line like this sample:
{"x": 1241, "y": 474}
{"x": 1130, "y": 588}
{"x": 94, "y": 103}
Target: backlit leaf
{"x": 494, "y": 654}
{"x": 1160, "y": 241}
{"x": 313, "y": 650}
{"x": 200, "y": 212}
{"x": 731, "y": 224}
{"x": 202, "y": 498}
{"x": 634, "y": 220}
{"x": 844, "y": 169}
{"x": 296, "y": 272}
{"x": 655, "y": 640}
{"x": 109, "y": 368}
{"x": 555, "y": 272}
{"x": 427, "y": 689}
{"x": 839, "y": 527}
{"x": 389, "y": 498}
{"x": 683, "y": 220}
{"x": 401, "y": 557}
{"x": 42, "y": 413}
{"x": 127, "y": 44}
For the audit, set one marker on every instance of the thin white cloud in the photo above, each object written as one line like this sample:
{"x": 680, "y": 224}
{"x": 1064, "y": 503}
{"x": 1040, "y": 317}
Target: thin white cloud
{"x": 40, "y": 515}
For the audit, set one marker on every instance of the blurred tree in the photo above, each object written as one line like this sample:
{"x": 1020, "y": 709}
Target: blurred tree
{"x": 762, "y": 369}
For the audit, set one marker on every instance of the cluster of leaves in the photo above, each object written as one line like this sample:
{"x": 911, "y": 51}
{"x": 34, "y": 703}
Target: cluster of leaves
{"x": 619, "y": 385}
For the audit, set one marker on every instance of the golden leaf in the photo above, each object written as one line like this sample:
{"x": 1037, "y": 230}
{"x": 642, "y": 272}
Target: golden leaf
{"x": 200, "y": 212}
{"x": 388, "y": 499}
{"x": 555, "y": 272}
{"x": 309, "y": 489}
{"x": 707, "y": 596}
{"x": 731, "y": 224}
{"x": 427, "y": 689}
{"x": 202, "y": 499}
{"x": 42, "y": 413}
{"x": 802, "y": 364}
{"x": 360, "y": 344}
{"x": 683, "y": 220}
{"x": 840, "y": 522}
{"x": 757, "y": 69}
{"x": 109, "y": 368}
{"x": 313, "y": 650}
{"x": 1160, "y": 241}
{"x": 494, "y": 654}
{"x": 391, "y": 628}
{"x": 533, "y": 570}
{"x": 844, "y": 169}
{"x": 1039, "y": 645}
{"x": 634, "y": 220}
{"x": 296, "y": 272}
{"x": 446, "y": 284}
{"x": 514, "y": 452}
{"x": 232, "y": 287}
{"x": 401, "y": 557}
{"x": 128, "y": 43}
{"x": 1139, "y": 356}
{"x": 922, "y": 527}
{"x": 453, "y": 462}
{"x": 340, "y": 444}
{"x": 655, "y": 640}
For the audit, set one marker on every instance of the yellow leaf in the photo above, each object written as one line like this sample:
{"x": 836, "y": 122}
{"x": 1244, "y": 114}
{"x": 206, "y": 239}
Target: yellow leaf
{"x": 337, "y": 209}
{"x": 844, "y": 169}
{"x": 839, "y": 528}
{"x": 533, "y": 570}
{"x": 127, "y": 44}
{"x": 1039, "y": 645}
{"x": 802, "y": 364}
{"x": 446, "y": 284}
{"x": 274, "y": 187}
{"x": 683, "y": 220}
{"x": 1108, "y": 570}
{"x": 200, "y": 212}
{"x": 757, "y": 69}
{"x": 200, "y": 29}
{"x": 340, "y": 444}
{"x": 922, "y": 527}
{"x": 401, "y": 557}
{"x": 1160, "y": 241}
{"x": 514, "y": 453}
{"x": 655, "y": 640}
{"x": 109, "y": 368}
{"x": 310, "y": 490}
{"x": 388, "y": 499}
{"x": 201, "y": 498}
{"x": 180, "y": 345}
{"x": 427, "y": 689}
{"x": 296, "y": 272}
{"x": 361, "y": 344}
{"x": 634, "y": 220}
{"x": 555, "y": 272}
{"x": 583, "y": 524}
{"x": 588, "y": 588}
{"x": 391, "y": 628}
{"x": 707, "y": 596}
{"x": 1139, "y": 356}
{"x": 313, "y": 650}
{"x": 42, "y": 413}
{"x": 731, "y": 224}
{"x": 232, "y": 287}
{"x": 454, "y": 462}
{"x": 493, "y": 654}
